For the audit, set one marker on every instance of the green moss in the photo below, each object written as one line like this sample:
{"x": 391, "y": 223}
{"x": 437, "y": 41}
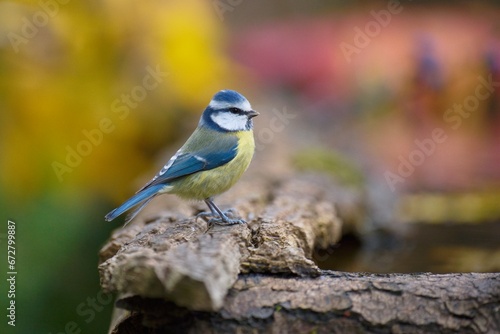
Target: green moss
{"x": 330, "y": 162}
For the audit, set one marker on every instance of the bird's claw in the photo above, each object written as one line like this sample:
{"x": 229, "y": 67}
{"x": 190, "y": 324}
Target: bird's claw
{"x": 225, "y": 222}
{"x": 229, "y": 218}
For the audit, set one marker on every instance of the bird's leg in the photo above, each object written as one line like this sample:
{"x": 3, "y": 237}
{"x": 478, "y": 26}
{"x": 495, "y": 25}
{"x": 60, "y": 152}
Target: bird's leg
{"x": 223, "y": 219}
{"x": 211, "y": 214}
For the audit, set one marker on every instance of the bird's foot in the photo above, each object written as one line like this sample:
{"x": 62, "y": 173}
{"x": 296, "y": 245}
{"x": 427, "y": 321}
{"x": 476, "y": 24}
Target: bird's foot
{"x": 229, "y": 217}
{"x": 225, "y": 221}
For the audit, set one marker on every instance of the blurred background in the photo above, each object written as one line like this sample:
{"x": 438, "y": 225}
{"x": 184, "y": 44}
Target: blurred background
{"x": 400, "y": 99}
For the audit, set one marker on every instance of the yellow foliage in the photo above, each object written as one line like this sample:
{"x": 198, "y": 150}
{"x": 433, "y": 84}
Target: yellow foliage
{"x": 71, "y": 74}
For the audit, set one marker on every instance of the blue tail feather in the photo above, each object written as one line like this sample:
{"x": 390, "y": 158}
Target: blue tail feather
{"x": 138, "y": 198}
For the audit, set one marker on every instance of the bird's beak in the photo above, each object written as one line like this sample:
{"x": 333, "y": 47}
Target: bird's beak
{"x": 253, "y": 113}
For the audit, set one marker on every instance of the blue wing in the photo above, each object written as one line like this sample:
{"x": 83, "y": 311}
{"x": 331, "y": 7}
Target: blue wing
{"x": 184, "y": 163}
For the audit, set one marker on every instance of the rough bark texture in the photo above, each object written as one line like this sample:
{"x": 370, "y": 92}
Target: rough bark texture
{"x": 173, "y": 274}
{"x": 182, "y": 260}
{"x": 331, "y": 303}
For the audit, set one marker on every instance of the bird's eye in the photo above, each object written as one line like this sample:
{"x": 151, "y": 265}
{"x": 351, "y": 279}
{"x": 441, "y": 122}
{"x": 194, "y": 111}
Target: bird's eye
{"x": 235, "y": 110}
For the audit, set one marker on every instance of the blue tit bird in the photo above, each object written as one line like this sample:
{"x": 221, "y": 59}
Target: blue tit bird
{"x": 209, "y": 163}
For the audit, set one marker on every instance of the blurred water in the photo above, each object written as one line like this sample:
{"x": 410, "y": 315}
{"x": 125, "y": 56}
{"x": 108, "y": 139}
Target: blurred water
{"x": 439, "y": 248}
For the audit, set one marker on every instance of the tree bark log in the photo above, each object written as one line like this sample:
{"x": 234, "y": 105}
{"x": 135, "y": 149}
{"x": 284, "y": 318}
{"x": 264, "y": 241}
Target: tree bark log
{"x": 334, "y": 302}
{"x": 182, "y": 260}
{"x": 174, "y": 274}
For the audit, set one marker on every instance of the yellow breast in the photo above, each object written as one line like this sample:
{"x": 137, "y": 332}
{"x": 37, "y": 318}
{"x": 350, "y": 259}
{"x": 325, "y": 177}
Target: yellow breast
{"x": 212, "y": 182}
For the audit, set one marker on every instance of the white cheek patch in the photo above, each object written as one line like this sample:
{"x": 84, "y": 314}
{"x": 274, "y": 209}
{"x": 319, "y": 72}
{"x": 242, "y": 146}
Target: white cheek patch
{"x": 229, "y": 121}
{"x": 243, "y": 105}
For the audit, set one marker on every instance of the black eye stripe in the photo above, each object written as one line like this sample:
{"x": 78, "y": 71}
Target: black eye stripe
{"x": 236, "y": 111}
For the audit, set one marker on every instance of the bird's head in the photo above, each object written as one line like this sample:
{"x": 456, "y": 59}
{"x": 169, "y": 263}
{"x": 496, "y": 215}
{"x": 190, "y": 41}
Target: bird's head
{"x": 228, "y": 111}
